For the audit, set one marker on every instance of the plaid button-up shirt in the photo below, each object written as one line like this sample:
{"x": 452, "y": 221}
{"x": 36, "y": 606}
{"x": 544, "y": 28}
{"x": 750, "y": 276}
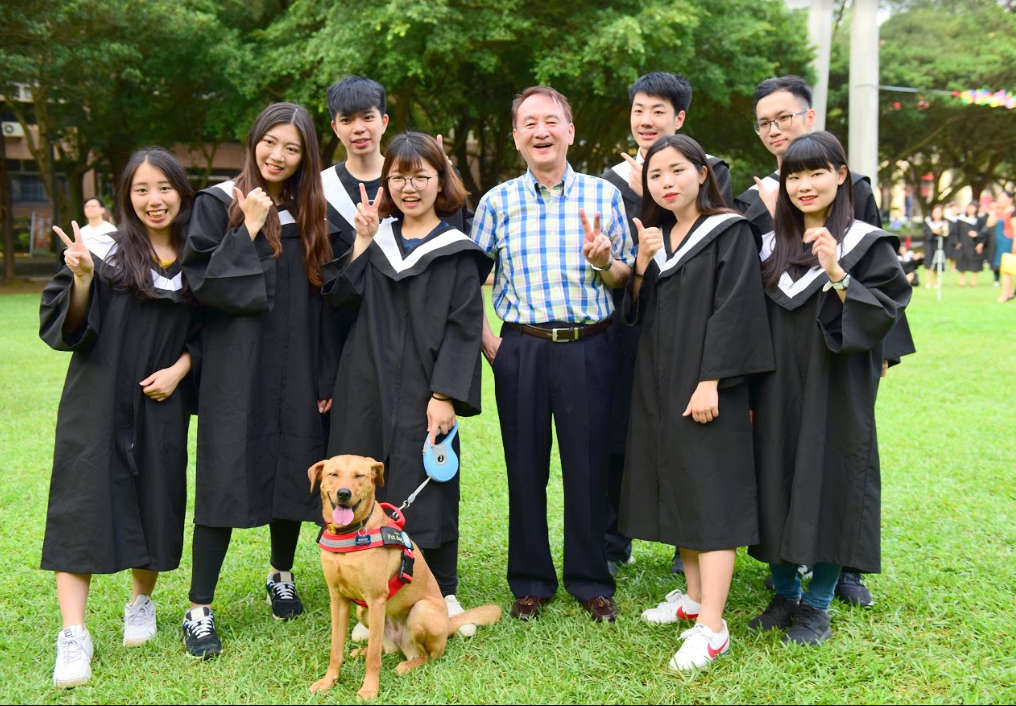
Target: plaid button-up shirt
{"x": 534, "y": 234}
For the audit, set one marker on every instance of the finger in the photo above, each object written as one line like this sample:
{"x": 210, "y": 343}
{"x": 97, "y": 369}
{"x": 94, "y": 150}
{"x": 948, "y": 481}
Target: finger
{"x": 596, "y": 222}
{"x": 630, "y": 160}
{"x": 440, "y": 143}
{"x": 585, "y": 224}
{"x": 377, "y": 197}
{"x": 638, "y": 225}
{"x": 758, "y": 183}
{"x": 431, "y": 432}
{"x": 687, "y": 410}
{"x": 238, "y": 195}
{"x": 63, "y": 236}
{"x": 77, "y": 232}
{"x": 148, "y": 380}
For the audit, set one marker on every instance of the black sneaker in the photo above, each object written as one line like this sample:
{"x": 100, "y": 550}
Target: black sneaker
{"x": 199, "y": 635}
{"x": 811, "y": 627}
{"x": 282, "y": 596}
{"x": 851, "y": 590}
{"x": 615, "y": 565}
{"x": 778, "y": 615}
{"x": 678, "y": 566}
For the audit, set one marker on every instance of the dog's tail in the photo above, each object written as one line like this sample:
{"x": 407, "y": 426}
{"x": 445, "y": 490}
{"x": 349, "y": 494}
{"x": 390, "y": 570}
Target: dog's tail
{"x": 481, "y": 615}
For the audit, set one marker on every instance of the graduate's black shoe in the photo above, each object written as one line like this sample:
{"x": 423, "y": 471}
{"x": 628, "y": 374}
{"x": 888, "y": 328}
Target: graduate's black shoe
{"x": 677, "y": 567}
{"x": 199, "y": 634}
{"x": 778, "y": 615}
{"x": 282, "y": 596}
{"x": 616, "y": 565}
{"x": 851, "y": 590}
{"x": 811, "y": 627}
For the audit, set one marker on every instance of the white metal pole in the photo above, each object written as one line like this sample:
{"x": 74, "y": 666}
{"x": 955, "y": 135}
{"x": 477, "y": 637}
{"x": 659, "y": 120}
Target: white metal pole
{"x": 864, "y": 89}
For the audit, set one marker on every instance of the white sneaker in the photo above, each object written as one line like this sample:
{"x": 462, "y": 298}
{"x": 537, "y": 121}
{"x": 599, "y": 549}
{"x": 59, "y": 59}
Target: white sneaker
{"x": 360, "y": 633}
{"x": 455, "y": 608}
{"x": 676, "y": 606}
{"x": 701, "y": 646}
{"x": 138, "y": 622}
{"x": 73, "y": 657}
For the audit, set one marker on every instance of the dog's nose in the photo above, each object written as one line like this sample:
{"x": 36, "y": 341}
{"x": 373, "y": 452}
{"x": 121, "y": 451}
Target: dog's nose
{"x": 344, "y": 495}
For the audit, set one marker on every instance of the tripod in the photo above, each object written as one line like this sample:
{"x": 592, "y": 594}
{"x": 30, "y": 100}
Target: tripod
{"x": 938, "y": 265}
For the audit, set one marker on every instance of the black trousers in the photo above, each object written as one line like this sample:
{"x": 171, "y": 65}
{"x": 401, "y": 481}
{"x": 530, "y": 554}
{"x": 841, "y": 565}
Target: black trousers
{"x": 537, "y": 380}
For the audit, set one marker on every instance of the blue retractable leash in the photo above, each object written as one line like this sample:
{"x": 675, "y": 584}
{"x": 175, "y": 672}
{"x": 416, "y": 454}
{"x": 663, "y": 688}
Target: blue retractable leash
{"x": 439, "y": 461}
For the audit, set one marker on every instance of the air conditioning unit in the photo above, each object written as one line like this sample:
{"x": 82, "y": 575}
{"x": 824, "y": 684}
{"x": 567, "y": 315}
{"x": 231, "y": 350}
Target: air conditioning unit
{"x": 13, "y": 129}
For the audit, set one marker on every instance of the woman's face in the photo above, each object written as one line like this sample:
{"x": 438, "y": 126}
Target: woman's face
{"x": 936, "y": 213}
{"x": 673, "y": 180}
{"x": 971, "y": 209}
{"x": 414, "y": 191}
{"x": 156, "y": 202}
{"x": 812, "y": 191}
{"x": 278, "y": 154}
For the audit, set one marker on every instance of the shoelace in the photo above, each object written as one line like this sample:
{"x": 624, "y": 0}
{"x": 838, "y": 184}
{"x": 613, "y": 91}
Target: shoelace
{"x": 694, "y": 637}
{"x": 202, "y": 627}
{"x": 72, "y": 649}
{"x": 672, "y": 597}
{"x": 284, "y": 590}
{"x": 141, "y": 615}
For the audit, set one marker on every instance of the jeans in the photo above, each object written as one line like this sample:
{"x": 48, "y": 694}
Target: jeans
{"x": 787, "y": 583}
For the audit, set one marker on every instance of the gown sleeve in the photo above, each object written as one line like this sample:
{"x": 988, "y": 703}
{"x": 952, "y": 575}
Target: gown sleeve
{"x": 722, "y": 173}
{"x": 876, "y": 297}
{"x": 344, "y": 280}
{"x": 737, "y": 339}
{"x": 632, "y": 309}
{"x": 53, "y": 312}
{"x": 458, "y": 356}
{"x": 224, "y": 267}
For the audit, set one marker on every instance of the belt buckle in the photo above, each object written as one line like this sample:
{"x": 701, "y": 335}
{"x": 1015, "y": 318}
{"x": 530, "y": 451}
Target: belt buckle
{"x": 555, "y": 331}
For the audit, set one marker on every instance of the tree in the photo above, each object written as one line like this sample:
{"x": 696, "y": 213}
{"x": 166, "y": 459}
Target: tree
{"x": 452, "y": 66}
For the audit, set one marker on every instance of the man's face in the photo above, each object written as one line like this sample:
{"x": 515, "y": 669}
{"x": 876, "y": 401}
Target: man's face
{"x": 360, "y": 133}
{"x": 543, "y": 133}
{"x": 794, "y": 118}
{"x": 653, "y": 117}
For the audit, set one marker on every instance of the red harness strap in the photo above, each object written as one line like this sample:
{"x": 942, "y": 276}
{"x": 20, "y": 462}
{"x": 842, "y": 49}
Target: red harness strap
{"x": 389, "y": 535}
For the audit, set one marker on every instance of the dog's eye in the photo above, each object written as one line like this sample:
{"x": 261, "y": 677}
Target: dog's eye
{"x": 360, "y": 476}
{"x": 333, "y": 475}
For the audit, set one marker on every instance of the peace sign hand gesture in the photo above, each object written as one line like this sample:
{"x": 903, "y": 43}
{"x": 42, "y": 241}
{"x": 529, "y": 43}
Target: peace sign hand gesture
{"x": 367, "y": 220}
{"x": 596, "y": 248}
{"x": 77, "y": 256}
{"x": 650, "y": 243}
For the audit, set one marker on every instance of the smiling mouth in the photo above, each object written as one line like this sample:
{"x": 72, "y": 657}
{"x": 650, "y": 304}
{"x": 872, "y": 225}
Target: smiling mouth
{"x": 410, "y": 200}
{"x": 157, "y": 215}
{"x": 806, "y": 200}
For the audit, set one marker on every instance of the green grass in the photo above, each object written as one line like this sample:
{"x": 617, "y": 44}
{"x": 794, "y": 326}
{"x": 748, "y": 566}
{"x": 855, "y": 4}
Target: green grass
{"x": 942, "y": 630}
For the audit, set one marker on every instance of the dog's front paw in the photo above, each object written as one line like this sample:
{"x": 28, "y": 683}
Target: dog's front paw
{"x": 324, "y": 684}
{"x": 356, "y": 652}
{"x": 367, "y": 693}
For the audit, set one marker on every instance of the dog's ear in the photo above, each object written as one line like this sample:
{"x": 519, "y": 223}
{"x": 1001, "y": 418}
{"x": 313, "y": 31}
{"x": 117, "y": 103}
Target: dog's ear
{"x": 314, "y": 473}
{"x": 379, "y": 472}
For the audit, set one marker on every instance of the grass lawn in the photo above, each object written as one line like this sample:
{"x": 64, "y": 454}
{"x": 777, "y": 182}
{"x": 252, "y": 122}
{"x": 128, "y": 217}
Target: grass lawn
{"x": 942, "y": 630}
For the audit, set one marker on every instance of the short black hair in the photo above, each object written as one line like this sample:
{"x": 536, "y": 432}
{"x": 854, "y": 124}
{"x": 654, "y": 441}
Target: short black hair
{"x": 670, "y": 87}
{"x": 356, "y": 94}
{"x": 792, "y": 84}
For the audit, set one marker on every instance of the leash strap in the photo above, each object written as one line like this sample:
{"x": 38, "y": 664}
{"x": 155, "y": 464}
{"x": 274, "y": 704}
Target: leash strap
{"x": 412, "y": 498}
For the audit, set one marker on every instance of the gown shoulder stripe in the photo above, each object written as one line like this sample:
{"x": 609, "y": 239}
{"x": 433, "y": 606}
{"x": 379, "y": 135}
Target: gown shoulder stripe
{"x": 711, "y": 227}
{"x": 336, "y": 194}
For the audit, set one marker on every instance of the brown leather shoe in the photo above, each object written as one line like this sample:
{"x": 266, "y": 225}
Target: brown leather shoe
{"x": 527, "y": 607}
{"x": 602, "y": 609}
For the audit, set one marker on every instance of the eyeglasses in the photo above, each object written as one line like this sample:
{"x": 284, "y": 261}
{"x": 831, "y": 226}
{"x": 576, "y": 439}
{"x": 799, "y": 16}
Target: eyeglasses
{"x": 781, "y": 123}
{"x": 418, "y": 182}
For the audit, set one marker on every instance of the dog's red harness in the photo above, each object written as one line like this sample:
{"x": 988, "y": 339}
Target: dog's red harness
{"x": 391, "y": 534}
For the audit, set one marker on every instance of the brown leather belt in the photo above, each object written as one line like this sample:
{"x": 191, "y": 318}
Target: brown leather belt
{"x": 566, "y": 334}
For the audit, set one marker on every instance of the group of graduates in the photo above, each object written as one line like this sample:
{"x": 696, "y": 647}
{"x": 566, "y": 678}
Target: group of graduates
{"x": 711, "y": 363}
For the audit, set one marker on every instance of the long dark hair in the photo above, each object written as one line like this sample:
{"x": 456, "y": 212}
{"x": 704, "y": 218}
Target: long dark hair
{"x": 301, "y": 193}
{"x": 819, "y": 150}
{"x": 408, "y": 152}
{"x": 134, "y": 250}
{"x": 709, "y": 201}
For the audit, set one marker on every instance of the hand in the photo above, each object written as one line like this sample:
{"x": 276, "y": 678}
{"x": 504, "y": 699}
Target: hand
{"x": 161, "y": 384}
{"x": 323, "y": 406}
{"x": 440, "y": 144}
{"x": 650, "y": 243}
{"x": 972, "y": 233}
{"x": 596, "y": 248}
{"x": 823, "y": 244}
{"x": 440, "y": 418}
{"x": 704, "y": 405}
{"x": 490, "y": 346}
{"x": 78, "y": 258}
{"x": 367, "y": 220}
{"x": 635, "y": 176}
{"x": 768, "y": 195}
{"x": 979, "y": 248}
{"x": 255, "y": 207}
{"x": 885, "y": 368}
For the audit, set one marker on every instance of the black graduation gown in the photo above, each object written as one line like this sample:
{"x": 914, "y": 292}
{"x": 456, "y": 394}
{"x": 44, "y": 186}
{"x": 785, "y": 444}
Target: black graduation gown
{"x": 899, "y": 342}
{"x": 703, "y": 318}
{"x": 118, "y": 495}
{"x": 965, "y": 247}
{"x": 816, "y": 447}
{"x": 623, "y": 339}
{"x": 417, "y": 331}
{"x": 271, "y": 354}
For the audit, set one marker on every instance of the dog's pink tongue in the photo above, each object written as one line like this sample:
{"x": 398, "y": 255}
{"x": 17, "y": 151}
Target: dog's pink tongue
{"x": 342, "y": 516}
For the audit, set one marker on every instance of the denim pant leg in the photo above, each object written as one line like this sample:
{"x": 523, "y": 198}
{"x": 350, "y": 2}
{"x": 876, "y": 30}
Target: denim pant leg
{"x": 823, "y": 584}
{"x": 786, "y": 581}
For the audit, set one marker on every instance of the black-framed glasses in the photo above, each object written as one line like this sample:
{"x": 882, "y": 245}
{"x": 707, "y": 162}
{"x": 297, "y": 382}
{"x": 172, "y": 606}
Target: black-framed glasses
{"x": 418, "y": 182}
{"x": 781, "y": 123}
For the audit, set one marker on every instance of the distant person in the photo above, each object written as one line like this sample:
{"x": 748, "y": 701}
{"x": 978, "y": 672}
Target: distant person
{"x": 98, "y": 226}
{"x": 936, "y": 236}
{"x": 118, "y": 494}
{"x": 968, "y": 245}
{"x": 1001, "y": 226}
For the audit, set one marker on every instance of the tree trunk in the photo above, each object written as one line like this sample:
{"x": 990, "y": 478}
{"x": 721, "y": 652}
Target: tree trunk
{"x": 7, "y": 215}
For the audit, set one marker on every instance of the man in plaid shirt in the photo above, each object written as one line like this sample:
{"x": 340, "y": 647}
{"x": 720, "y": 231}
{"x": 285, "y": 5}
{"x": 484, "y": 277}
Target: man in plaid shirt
{"x": 560, "y": 243}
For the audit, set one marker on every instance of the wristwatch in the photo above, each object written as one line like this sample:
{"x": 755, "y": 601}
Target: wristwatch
{"x": 842, "y": 284}
{"x": 606, "y": 267}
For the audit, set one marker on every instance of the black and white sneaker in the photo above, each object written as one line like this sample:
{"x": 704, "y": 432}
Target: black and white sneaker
{"x": 811, "y": 627}
{"x": 282, "y": 595}
{"x": 199, "y": 634}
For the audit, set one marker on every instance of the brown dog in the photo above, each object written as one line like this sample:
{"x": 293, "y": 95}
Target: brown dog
{"x": 415, "y": 619}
